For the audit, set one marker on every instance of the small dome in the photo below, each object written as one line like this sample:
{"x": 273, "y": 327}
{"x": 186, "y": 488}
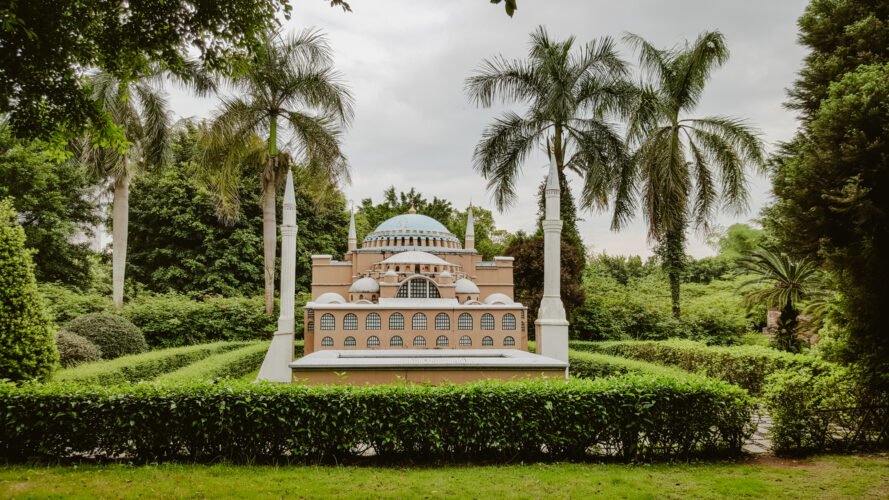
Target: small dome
{"x": 365, "y": 285}
{"x": 415, "y": 257}
{"x": 330, "y": 298}
{"x": 498, "y": 298}
{"x": 465, "y": 286}
{"x": 445, "y": 274}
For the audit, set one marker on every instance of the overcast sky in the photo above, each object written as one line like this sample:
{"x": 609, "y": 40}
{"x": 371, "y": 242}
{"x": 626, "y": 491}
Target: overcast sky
{"x": 406, "y": 61}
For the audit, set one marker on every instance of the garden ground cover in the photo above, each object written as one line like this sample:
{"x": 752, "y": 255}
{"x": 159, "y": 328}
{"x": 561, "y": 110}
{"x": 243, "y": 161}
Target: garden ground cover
{"x": 822, "y": 477}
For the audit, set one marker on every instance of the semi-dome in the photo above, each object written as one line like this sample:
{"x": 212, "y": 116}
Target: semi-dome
{"x": 330, "y": 298}
{"x": 463, "y": 285}
{"x": 415, "y": 257}
{"x": 411, "y": 231}
{"x": 365, "y": 285}
{"x": 498, "y": 298}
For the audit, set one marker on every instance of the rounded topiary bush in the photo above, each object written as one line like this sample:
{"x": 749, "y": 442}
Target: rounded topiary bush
{"x": 74, "y": 349}
{"x": 115, "y": 335}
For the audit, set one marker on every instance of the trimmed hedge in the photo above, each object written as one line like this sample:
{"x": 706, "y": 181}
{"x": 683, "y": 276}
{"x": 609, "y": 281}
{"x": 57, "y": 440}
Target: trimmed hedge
{"x": 144, "y": 366}
{"x": 74, "y": 349}
{"x": 594, "y": 365}
{"x": 746, "y": 366}
{"x": 231, "y": 364}
{"x": 175, "y": 320}
{"x": 633, "y": 417}
{"x": 114, "y": 335}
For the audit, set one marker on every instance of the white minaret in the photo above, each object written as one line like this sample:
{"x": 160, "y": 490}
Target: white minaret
{"x": 276, "y": 366}
{"x": 353, "y": 237}
{"x": 551, "y": 324}
{"x": 470, "y": 231}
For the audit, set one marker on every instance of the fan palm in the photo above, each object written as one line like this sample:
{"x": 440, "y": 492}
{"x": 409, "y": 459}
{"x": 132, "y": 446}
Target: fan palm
{"x": 140, "y": 111}
{"x": 570, "y": 96}
{"x": 790, "y": 282}
{"x": 682, "y": 169}
{"x": 288, "y": 78}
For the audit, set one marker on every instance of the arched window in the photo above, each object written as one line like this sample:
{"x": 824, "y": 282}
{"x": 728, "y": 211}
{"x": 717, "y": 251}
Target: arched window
{"x": 487, "y": 321}
{"x": 523, "y": 326}
{"x": 396, "y": 321}
{"x": 487, "y": 340}
{"x": 441, "y": 341}
{"x": 311, "y": 313}
{"x": 311, "y": 326}
{"x": 419, "y": 341}
{"x": 373, "y": 341}
{"x": 349, "y": 342}
{"x": 418, "y": 288}
{"x": 372, "y": 322}
{"x": 396, "y": 341}
{"x": 465, "y": 340}
{"x": 442, "y": 321}
{"x": 433, "y": 292}
{"x": 464, "y": 322}
{"x": 509, "y": 321}
{"x": 419, "y": 321}
{"x": 327, "y": 322}
{"x": 327, "y": 341}
{"x": 361, "y": 297}
{"x": 350, "y": 322}
{"x": 509, "y": 341}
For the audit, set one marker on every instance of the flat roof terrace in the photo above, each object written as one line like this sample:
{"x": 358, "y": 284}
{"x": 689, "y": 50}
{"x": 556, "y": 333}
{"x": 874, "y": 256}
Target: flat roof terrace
{"x": 382, "y": 366}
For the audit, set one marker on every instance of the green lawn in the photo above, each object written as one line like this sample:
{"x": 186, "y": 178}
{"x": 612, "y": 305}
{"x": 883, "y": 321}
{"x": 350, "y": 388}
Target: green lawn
{"x": 823, "y": 477}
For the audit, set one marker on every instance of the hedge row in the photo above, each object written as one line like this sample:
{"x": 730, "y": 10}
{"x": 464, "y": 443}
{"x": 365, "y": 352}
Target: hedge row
{"x": 633, "y": 417}
{"x": 746, "y": 366}
{"x": 828, "y": 411}
{"x": 232, "y": 364}
{"x": 594, "y": 365}
{"x": 145, "y": 366}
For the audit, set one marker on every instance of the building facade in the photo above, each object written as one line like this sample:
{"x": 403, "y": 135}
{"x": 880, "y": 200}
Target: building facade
{"x": 413, "y": 285}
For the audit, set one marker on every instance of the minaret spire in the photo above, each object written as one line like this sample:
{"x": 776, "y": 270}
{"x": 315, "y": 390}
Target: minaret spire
{"x": 353, "y": 237}
{"x": 470, "y": 230}
{"x": 276, "y": 366}
{"x": 552, "y": 325}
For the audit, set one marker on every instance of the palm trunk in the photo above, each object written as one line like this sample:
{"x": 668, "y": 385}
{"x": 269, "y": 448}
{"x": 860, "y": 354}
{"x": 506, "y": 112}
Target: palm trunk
{"x": 120, "y": 213}
{"x": 785, "y": 335}
{"x": 269, "y": 223}
{"x": 674, "y": 259}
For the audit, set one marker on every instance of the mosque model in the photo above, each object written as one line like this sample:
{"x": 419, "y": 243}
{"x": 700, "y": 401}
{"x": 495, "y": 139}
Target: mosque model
{"x": 414, "y": 304}
{"x": 412, "y": 285}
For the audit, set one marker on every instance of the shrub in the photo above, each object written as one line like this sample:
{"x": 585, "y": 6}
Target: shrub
{"x": 827, "y": 411}
{"x": 115, "y": 335}
{"x": 65, "y": 304}
{"x": 746, "y": 366}
{"x": 27, "y": 349}
{"x": 594, "y": 365}
{"x": 633, "y": 417}
{"x": 231, "y": 364}
{"x": 145, "y": 366}
{"x": 174, "y": 320}
{"x": 74, "y": 349}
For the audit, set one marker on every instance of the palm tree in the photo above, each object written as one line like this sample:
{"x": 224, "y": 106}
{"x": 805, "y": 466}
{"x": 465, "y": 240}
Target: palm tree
{"x": 570, "y": 97}
{"x": 682, "y": 168}
{"x": 140, "y": 112}
{"x": 289, "y": 78}
{"x": 791, "y": 282}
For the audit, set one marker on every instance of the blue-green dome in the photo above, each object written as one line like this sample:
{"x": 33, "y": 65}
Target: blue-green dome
{"x": 411, "y": 222}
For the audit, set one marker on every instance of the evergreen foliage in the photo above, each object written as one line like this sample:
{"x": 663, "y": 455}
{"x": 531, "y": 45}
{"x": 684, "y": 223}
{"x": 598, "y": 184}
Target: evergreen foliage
{"x": 27, "y": 349}
{"x": 233, "y": 363}
{"x": 115, "y": 335}
{"x": 74, "y": 349}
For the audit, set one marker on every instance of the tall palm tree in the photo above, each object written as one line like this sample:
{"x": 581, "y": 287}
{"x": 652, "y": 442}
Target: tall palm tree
{"x": 140, "y": 112}
{"x": 682, "y": 169}
{"x": 290, "y": 78}
{"x": 571, "y": 94}
{"x": 790, "y": 281}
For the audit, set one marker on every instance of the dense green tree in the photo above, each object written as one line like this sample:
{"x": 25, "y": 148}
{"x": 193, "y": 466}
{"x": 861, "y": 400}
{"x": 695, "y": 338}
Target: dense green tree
{"x": 683, "y": 169}
{"x": 736, "y": 240}
{"x": 27, "y": 346}
{"x": 177, "y": 242}
{"x": 48, "y": 44}
{"x": 571, "y": 97}
{"x": 290, "y": 78}
{"x": 54, "y": 203}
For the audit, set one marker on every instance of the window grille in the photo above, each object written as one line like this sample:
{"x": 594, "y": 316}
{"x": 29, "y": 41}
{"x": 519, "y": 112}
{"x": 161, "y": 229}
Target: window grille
{"x": 419, "y": 321}
{"x": 419, "y": 341}
{"x": 418, "y": 289}
{"x": 509, "y": 341}
{"x": 327, "y": 341}
{"x": 464, "y": 322}
{"x": 402, "y": 292}
{"x": 350, "y": 322}
{"x": 509, "y": 321}
{"x": 396, "y": 321}
{"x": 487, "y": 341}
{"x": 487, "y": 321}
{"x": 433, "y": 292}
{"x": 465, "y": 340}
{"x": 442, "y": 321}
{"x": 373, "y": 341}
{"x": 311, "y": 313}
{"x": 311, "y": 326}
{"x": 349, "y": 342}
{"x": 441, "y": 341}
{"x": 372, "y": 322}
{"x": 327, "y": 322}
{"x": 396, "y": 341}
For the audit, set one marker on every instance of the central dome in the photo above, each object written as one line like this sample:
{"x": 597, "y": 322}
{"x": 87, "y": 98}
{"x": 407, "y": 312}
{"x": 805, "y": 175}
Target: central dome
{"x": 411, "y": 222}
